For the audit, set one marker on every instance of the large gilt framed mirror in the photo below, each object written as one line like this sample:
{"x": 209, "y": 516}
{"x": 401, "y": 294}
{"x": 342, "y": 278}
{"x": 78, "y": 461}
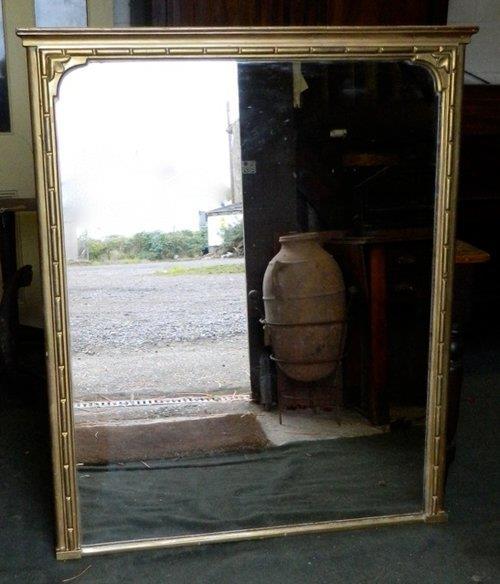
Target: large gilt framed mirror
{"x": 248, "y": 246}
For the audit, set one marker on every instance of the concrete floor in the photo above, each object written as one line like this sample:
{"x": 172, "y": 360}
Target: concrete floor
{"x": 462, "y": 551}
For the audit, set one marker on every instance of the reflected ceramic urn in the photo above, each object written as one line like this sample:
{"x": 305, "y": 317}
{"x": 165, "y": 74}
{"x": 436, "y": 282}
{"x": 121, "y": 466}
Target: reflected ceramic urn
{"x": 304, "y": 301}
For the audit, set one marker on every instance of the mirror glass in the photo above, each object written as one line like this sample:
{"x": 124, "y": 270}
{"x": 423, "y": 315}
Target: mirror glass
{"x": 248, "y": 250}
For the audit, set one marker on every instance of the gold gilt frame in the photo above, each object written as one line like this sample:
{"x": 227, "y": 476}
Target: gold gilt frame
{"x": 53, "y": 52}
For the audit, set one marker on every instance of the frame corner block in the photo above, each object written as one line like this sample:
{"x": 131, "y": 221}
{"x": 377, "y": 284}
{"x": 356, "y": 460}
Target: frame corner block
{"x": 439, "y": 517}
{"x": 68, "y": 554}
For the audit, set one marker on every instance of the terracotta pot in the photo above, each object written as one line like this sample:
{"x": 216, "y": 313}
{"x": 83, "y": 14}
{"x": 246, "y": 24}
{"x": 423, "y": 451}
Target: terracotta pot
{"x": 304, "y": 301}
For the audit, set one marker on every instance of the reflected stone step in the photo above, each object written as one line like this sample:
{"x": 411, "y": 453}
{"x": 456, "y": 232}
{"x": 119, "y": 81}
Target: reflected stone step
{"x": 174, "y": 437}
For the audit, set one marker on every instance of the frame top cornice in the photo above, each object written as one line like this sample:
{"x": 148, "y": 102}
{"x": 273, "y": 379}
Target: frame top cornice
{"x": 333, "y": 35}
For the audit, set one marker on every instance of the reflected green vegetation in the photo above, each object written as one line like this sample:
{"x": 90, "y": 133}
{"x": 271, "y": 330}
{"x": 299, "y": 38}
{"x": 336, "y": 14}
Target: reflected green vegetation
{"x": 232, "y": 239}
{"x": 147, "y": 246}
{"x": 202, "y": 270}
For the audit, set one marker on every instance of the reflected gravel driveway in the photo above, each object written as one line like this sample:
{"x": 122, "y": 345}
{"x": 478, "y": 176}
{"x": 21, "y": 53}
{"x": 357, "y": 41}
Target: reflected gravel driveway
{"x": 134, "y": 332}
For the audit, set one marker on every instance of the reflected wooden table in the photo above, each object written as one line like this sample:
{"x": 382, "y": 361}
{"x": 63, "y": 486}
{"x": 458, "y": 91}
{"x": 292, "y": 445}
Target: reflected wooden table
{"x": 379, "y": 266}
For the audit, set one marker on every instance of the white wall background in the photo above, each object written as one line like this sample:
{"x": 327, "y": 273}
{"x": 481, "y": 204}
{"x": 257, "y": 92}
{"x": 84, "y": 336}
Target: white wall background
{"x": 483, "y": 54}
{"x": 215, "y": 224}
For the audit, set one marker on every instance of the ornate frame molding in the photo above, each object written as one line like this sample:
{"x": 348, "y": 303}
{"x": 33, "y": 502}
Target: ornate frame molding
{"x": 53, "y": 52}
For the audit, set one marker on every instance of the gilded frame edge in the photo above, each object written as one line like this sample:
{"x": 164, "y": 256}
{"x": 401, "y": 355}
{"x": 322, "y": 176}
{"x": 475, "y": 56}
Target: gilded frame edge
{"x": 53, "y": 52}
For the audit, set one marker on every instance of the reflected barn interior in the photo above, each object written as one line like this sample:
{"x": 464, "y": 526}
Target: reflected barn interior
{"x": 249, "y": 250}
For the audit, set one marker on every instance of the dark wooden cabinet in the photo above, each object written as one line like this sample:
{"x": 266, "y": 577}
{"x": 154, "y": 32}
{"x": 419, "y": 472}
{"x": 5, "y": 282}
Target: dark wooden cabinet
{"x": 479, "y": 193}
{"x": 286, "y": 12}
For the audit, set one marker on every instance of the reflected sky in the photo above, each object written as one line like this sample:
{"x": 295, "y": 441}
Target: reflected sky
{"x": 137, "y": 137}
